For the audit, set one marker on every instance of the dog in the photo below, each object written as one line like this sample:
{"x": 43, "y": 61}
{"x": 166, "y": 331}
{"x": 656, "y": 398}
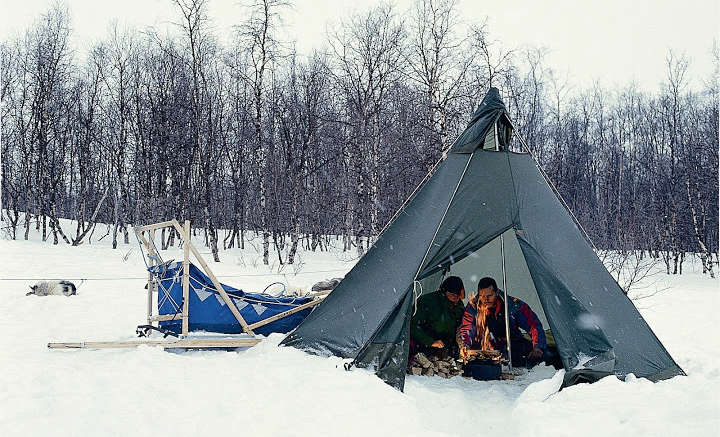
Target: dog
{"x": 55, "y": 288}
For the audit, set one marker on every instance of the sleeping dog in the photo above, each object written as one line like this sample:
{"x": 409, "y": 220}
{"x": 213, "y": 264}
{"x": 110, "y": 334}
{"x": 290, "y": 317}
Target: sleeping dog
{"x": 58, "y": 288}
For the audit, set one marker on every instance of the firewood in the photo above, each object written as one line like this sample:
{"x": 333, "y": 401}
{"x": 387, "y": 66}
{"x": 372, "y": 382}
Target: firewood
{"x": 444, "y": 367}
{"x": 421, "y": 359}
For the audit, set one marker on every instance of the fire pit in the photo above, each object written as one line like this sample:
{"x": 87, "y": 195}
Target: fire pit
{"x": 483, "y": 370}
{"x": 483, "y": 365}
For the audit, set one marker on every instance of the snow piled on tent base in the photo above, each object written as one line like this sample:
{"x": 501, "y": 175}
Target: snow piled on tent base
{"x": 270, "y": 390}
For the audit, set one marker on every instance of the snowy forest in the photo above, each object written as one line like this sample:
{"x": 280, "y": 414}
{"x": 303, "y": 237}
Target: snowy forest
{"x": 249, "y": 137}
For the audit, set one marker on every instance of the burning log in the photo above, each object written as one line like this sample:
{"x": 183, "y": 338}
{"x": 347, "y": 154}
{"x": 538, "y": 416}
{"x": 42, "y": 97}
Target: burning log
{"x": 478, "y": 354}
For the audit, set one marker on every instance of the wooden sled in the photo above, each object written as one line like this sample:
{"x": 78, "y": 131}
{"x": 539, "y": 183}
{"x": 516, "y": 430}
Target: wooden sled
{"x": 146, "y": 237}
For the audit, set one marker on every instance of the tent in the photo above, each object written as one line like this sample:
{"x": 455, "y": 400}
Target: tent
{"x": 486, "y": 211}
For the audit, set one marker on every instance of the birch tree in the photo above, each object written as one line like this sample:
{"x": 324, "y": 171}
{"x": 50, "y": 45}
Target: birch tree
{"x": 368, "y": 54}
{"x": 438, "y": 60}
{"x": 257, "y": 40}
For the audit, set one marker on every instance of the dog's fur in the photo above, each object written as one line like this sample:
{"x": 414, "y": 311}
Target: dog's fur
{"x": 57, "y": 288}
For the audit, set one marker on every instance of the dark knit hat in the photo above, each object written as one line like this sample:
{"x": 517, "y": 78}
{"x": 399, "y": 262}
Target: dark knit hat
{"x": 452, "y": 284}
{"x": 487, "y": 282}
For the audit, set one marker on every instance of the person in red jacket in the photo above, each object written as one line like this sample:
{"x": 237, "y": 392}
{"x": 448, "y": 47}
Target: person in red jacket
{"x": 483, "y": 326}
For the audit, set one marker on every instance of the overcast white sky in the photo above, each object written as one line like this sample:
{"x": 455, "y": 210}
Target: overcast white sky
{"x": 614, "y": 41}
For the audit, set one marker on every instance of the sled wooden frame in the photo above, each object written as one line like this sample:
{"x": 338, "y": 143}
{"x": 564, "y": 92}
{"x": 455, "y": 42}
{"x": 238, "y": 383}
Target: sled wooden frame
{"x": 183, "y": 342}
{"x": 188, "y": 247}
{"x": 165, "y": 344}
{"x": 184, "y": 233}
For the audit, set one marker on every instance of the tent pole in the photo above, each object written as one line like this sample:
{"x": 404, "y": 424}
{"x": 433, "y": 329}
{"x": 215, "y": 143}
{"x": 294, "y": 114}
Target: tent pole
{"x": 504, "y": 280}
{"x": 507, "y": 316}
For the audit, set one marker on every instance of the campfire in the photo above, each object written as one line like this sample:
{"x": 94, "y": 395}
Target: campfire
{"x": 487, "y": 353}
{"x": 491, "y": 356}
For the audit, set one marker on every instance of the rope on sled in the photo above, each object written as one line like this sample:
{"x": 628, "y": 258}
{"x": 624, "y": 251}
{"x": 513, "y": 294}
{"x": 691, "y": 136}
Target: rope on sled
{"x": 274, "y": 300}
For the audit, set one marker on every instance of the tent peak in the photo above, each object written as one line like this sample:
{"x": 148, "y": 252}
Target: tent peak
{"x": 489, "y": 113}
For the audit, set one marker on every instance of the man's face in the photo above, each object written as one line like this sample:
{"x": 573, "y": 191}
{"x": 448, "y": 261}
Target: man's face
{"x": 454, "y": 298}
{"x": 487, "y": 296}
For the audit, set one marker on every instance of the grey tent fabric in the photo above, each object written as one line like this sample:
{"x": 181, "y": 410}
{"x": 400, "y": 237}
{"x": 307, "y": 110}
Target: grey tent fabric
{"x": 551, "y": 232}
{"x": 352, "y": 313}
{"x": 483, "y": 208}
{"x": 490, "y": 112}
{"x": 389, "y": 349}
{"x": 474, "y": 197}
{"x": 581, "y": 343}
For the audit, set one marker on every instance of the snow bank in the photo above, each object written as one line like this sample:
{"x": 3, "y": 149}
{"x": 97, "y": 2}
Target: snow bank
{"x": 267, "y": 390}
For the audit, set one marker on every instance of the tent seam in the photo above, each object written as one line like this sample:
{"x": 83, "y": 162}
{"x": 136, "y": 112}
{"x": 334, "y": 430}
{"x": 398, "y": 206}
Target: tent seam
{"x": 516, "y": 213}
{"x": 442, "y": 219}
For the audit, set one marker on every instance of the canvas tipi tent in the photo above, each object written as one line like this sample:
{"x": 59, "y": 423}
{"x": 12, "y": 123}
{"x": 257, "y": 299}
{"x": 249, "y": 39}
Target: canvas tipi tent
{"x": 485, "y": 211}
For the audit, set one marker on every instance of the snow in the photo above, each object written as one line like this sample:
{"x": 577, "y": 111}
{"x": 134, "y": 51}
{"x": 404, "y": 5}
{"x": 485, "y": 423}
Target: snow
{"x": 582, "y": 360}
{"x": 267, "y": 390}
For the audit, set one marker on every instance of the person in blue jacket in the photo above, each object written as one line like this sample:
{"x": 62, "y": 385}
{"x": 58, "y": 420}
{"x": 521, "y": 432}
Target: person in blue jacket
{"x": 483, "y": 326}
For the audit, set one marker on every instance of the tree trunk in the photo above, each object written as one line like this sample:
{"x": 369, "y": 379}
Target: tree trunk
{"x": 210, "y": 230}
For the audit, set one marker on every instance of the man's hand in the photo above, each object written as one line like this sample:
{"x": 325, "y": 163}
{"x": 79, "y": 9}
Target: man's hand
{"x": 438, "y": 344}
{"x": 535, "y": 353}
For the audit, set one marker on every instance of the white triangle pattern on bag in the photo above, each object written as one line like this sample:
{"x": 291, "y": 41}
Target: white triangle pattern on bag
{"x": 259, "y": 309}
{"x": 240, "y": 304}
{"x": 202, "y": 293}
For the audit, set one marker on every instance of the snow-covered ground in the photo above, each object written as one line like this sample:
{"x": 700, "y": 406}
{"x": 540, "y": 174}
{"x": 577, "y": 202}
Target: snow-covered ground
{"x": 266, "y": 390}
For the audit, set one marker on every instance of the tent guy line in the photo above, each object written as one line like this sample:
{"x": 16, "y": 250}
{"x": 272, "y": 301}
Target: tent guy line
{"x": 145, "y": 278}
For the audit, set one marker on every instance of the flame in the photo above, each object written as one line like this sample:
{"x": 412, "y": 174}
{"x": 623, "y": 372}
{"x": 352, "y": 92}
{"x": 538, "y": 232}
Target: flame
{"x": 482, "y": 329}
{"x": 483, "y": 337}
